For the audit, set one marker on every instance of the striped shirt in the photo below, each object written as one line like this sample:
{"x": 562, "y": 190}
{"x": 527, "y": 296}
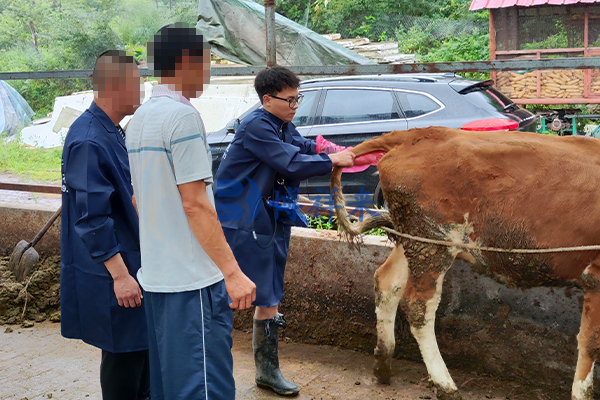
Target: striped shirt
{"x": 167, "y": 147}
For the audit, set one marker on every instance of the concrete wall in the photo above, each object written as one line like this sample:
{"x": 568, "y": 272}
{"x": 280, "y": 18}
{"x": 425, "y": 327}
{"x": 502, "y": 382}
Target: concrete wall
{"x": 23, "y": 222}
{"x": 525, "y": 335}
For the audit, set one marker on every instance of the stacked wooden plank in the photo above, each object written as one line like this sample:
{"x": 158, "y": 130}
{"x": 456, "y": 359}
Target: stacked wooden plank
{"x": 380, "y": 52}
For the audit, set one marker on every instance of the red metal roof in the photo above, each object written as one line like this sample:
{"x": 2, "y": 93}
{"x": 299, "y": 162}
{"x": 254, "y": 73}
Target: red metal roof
{"x": 479, "y": 4}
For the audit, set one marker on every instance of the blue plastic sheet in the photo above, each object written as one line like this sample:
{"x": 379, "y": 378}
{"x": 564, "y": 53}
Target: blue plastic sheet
{"x": 15, "y": 113}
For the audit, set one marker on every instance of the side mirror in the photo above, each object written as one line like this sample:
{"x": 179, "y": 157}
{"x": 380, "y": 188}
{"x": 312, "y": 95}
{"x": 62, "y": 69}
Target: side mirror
{"x": 233, "y": 125}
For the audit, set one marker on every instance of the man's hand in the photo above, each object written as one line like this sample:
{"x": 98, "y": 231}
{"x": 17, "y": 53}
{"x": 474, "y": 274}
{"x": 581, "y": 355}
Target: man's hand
{"x": 134, "y": 204}
{"x": 241, "y": 290}
{"x": 128, "y": 292}
{"x": 343, "y": 159}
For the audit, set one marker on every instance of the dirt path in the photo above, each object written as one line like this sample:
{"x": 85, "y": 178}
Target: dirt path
{"x": 10, "y": 196}
{"x": 37, "y": 363}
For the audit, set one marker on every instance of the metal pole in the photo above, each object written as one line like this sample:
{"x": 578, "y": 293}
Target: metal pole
{"x": 494, "y": 75}
{"x": 270, "y": 29}
{"x": 452, "y": 66}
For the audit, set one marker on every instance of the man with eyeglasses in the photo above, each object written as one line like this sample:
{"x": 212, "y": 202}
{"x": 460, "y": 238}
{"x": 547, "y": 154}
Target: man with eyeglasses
{"x": 267, "y": 159}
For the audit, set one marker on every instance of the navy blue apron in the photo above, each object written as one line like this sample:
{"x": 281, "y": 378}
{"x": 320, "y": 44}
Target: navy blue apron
{"x": 98, "y": 221}
{"x": 266, "y": 159}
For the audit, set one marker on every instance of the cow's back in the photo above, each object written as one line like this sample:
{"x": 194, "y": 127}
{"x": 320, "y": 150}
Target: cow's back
{"x": 509, "y": 190}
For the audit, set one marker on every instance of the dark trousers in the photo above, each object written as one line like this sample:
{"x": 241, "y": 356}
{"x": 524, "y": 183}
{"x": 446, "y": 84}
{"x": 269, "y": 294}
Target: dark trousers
{"x": 189, "y": 334}
{"x": 125, "y": 376}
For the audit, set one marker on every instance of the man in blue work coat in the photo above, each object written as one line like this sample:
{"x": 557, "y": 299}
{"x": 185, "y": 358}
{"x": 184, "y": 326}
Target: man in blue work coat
{"x": 267, "y": 159}
{"x": 101, "y": 301}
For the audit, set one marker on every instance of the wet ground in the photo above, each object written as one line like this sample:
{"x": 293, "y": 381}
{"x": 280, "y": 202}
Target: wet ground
{"x": 37, "y": 363}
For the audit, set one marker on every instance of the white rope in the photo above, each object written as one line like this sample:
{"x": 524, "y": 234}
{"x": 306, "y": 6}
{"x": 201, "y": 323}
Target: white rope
{"x": 471, "y": 246}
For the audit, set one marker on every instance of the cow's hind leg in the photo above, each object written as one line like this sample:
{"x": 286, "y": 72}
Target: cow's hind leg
{"x": 390, "y": 281}
{"x": 422, "y": 297}
{"x": 588, "y": 339}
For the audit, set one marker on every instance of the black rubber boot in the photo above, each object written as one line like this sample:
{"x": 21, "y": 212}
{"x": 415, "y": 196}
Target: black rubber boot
{"x": 265, "y": 342}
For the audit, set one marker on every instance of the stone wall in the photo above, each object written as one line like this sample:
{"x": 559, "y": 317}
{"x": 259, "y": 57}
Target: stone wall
{"x": 23, "y": 222}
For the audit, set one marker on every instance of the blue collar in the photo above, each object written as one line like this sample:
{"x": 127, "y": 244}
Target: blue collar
{"x": 103, "y": 118}
{"x": 274, "y": 118}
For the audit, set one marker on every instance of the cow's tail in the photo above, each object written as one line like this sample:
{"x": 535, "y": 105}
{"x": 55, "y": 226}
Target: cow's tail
{"x": 354, "y": 229}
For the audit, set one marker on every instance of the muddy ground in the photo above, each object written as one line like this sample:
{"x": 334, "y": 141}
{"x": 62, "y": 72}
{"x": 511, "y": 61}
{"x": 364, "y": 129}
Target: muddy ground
{"x": 37, "y": 363}
{"x": 36, "y": 299}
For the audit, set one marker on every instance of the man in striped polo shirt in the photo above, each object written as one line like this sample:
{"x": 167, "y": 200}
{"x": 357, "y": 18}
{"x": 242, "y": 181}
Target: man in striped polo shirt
{"x": 188, "y": 271}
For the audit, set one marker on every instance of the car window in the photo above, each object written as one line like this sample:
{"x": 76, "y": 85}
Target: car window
{"x": 415, "y": 104}
{"x": 355, "y": 105}
{"x": 303, "y": 111}
{"x": 489, "y": 99}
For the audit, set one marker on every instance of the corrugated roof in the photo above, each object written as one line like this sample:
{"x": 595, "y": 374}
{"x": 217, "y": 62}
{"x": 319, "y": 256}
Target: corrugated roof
{"x": 480, "y": 4}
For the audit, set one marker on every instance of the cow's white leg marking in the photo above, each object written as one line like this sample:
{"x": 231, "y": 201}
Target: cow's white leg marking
{"x": 425, "y": 336}
{"x": 390, "y": 281}
{"x": 583, "y": 390}
{"x": 589, "y": 334}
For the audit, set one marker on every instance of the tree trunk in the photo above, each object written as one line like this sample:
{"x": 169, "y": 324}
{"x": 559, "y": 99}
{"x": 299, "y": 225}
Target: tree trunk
{"x": 33, "y": 36}
{"x": 32, "y": 29}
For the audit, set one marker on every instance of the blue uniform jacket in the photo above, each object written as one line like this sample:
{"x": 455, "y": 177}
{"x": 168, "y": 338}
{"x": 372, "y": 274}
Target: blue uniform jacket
{"x": 98, "y": 221}
{"x": 263, "y": 151}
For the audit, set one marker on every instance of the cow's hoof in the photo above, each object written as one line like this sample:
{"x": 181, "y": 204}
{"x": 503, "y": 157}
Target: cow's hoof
{"x": 383, "y": 371}
{"x": 448, "y": 395}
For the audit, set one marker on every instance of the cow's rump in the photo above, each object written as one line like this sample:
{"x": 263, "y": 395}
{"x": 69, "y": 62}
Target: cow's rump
{"x": 516, "y": 190}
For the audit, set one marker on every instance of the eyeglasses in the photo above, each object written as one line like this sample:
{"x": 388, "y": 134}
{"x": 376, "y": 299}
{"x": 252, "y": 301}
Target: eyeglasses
{"x": 293, "y": 102}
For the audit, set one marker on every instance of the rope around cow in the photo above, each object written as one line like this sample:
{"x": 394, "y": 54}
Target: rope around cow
{"x": 490, "y": 249}
{"x": 469, "y": 246}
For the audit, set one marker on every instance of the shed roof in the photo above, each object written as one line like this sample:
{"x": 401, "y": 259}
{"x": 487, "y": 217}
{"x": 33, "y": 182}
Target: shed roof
{"x": 480, "y": 4}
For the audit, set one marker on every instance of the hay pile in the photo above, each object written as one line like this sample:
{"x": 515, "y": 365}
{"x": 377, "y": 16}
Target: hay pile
{"x": 38, "y": 294}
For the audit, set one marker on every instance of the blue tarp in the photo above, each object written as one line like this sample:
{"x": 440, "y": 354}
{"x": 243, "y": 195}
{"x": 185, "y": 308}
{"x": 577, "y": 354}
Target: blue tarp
{"x": 15, "y": 113}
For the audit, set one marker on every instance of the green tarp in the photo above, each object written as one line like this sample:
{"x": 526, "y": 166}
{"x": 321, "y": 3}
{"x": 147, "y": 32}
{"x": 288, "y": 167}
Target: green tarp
{"x": 236, "y": 31}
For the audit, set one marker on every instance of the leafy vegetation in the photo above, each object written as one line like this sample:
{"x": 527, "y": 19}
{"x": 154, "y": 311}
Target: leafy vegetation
{"x": 436, "y": 30}
{"x": 40, "y": 35}
{"x": 375, "y": 19}
{"x": 43, "y": 35}
{"x": 31, "y": 163}
{"x": 330, "y": 224}
{"x": 557, "y": 41}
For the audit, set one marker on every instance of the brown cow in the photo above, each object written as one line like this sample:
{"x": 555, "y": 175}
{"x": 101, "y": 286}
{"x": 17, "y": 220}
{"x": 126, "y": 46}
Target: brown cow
{"x": 498, "y": 189}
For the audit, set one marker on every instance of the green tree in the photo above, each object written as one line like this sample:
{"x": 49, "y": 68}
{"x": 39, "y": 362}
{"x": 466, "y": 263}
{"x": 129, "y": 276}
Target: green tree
{"x": 22, "y": 20}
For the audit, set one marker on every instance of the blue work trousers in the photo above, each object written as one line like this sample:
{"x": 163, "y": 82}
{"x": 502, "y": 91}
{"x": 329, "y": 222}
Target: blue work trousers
{"x": 190, "y": 344}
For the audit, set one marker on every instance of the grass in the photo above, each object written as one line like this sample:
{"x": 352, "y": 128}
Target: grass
{"x": 324, "y": 222}
{"x": 34, "y": 164}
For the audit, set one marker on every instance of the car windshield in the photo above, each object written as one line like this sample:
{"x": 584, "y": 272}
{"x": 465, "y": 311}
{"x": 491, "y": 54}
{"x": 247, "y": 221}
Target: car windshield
{"x": 489, "y": 98}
